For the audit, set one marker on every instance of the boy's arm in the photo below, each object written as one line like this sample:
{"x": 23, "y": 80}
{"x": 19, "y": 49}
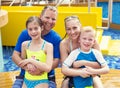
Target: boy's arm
{"x": 80, "y": 63}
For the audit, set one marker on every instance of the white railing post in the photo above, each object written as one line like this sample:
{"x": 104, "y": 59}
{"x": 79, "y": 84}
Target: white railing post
{"x": 89, "y": 5}
{"x": 110, "y": 3}
{"x": 0, "y": 5}
{"x": 96, "y": 3}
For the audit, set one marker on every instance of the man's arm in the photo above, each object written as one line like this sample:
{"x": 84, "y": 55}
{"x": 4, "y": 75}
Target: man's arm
{"x": 16, "y": 57}
{"x": 56, "y": 51}
{"x": 55, "y": 63}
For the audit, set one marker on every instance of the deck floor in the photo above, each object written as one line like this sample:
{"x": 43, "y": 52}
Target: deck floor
{"x": 110, "y": 80}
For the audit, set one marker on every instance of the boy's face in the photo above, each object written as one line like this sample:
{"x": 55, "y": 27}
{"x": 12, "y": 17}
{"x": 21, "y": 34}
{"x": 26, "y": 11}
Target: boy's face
{"x": 87, "y": 40}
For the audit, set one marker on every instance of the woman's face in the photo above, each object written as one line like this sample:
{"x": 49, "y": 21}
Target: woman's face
{"x": 73, "y": 29}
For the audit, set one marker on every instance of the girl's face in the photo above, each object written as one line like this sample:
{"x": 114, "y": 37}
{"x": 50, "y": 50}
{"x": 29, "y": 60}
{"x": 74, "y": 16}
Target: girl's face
{"x": 87, "y": 40}
{"x": 73, "y": 29}
{"x": 34, "y": 30}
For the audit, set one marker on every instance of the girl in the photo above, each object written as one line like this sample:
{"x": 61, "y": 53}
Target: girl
{"x": 39, "y": 54}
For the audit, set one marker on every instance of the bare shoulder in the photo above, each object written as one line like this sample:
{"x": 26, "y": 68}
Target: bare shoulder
{"x": 64, "y": 46}
{"x": 64, "y": 42}
{"x": 25, "y": 43}
{"x": 48, "y": 44}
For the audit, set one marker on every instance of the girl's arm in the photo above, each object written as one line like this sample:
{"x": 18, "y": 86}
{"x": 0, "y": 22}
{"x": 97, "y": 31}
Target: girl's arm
{"x": 23, "y": 54}
{"x": 48, "y": 65}
{"x": 23, "y": 50}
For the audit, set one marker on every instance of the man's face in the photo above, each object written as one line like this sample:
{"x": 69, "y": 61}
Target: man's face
{"x": 49, "y": 19}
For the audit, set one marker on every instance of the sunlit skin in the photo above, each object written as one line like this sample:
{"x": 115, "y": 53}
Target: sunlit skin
{"x": 48, "y": 17}
{"x": 49, "y": 20}
{"x": 87, "y": 40}
{"x": 34, "y": 30}
{"x": 73, "y": 29}
{"x": 31, "y": 64}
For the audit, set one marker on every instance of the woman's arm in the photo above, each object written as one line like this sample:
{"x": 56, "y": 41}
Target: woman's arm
{"x": 63, "y": 51}
{"x": 104, "y": 67}
{"x": 96, "y": 45}
{"x": 103, "y": 70}
{"x": 74, "y": 72}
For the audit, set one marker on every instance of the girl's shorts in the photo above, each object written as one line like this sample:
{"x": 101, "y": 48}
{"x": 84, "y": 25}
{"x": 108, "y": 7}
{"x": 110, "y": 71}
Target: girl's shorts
{"x": 33, "y": 83}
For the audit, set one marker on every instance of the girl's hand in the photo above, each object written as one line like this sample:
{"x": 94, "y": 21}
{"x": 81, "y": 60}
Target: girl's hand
{"x": 24, "y": 62}
{"x": 33, "y": 70}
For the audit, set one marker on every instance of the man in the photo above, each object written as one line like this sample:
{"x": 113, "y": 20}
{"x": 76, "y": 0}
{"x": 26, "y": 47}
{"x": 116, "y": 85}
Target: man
{"x": 48, "y": 17}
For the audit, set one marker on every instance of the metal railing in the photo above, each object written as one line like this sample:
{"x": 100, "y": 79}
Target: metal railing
{"x": 0, "y": 5}
{"x": 59, "y": 2}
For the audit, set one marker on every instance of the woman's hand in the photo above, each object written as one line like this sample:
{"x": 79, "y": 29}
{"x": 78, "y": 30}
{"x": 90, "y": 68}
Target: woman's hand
{"x": 91, "y": 70}
{"x": 84, "y": 73}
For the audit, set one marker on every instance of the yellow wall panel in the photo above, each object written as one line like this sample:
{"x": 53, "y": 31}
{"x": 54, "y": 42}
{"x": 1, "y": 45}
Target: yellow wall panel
{"x": 17, "y": 17}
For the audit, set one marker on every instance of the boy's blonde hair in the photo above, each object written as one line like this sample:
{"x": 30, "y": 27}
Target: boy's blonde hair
{"x": 88, "y": 29}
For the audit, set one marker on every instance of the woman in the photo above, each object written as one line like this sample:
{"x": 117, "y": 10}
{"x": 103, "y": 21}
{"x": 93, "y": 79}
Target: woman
{"x": 73, "y": 27}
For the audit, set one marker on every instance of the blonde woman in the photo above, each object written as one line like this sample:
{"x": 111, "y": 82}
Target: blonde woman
{"x": 73, "y": 28}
